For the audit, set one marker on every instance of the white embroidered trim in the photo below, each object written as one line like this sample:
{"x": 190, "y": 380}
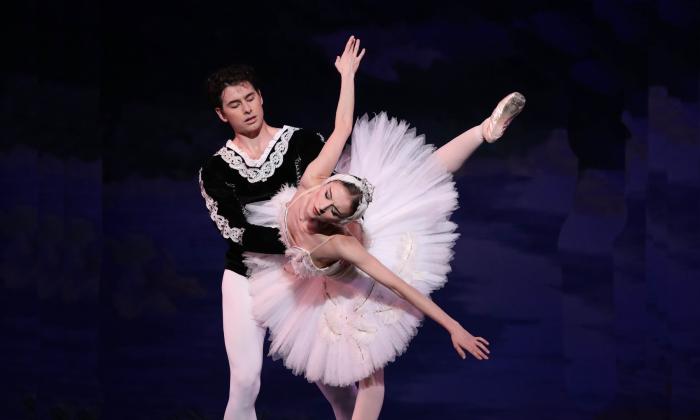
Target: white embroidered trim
{"x": 235, "y": 234}
{"x": 257, "y": 162}
{"x": 267, "y": 169}
{"x": 297, "y": 168}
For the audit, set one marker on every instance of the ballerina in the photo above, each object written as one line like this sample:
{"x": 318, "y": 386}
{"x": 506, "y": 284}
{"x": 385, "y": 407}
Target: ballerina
{"x": 364, "y": 251}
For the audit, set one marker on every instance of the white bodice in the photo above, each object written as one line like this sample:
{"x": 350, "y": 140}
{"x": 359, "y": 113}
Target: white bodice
{"x": 303, "y": 265}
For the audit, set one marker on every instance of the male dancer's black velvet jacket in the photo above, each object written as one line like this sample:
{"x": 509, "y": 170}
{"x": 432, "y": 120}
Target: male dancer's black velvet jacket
{"x": 228, "y": 181}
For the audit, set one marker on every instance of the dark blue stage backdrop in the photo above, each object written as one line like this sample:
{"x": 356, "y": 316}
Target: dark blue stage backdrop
{"x": 579, "y": 255}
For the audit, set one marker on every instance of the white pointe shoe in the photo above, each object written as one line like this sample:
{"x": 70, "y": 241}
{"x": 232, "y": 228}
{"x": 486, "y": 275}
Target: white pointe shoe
{"x": 494, "y": 126}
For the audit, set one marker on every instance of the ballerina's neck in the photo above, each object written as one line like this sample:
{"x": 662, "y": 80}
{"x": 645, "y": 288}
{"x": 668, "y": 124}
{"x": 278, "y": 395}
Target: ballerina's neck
{"x": 299, "y": 224}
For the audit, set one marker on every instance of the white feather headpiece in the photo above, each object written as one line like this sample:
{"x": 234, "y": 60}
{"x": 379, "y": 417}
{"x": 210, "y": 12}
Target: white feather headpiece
{"x": 365, "y": 187}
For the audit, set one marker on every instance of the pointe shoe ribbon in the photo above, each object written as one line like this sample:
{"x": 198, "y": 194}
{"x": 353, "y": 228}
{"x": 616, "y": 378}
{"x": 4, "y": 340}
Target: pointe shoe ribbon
{"x": 495, "y": 125}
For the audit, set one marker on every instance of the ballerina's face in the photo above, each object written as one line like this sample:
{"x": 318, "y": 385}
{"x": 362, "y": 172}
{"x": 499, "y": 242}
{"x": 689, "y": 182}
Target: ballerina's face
{"x": 331, "y": 203}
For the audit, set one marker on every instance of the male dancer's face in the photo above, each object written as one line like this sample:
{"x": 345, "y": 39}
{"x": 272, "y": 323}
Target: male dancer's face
{"x": 241, "y": 108}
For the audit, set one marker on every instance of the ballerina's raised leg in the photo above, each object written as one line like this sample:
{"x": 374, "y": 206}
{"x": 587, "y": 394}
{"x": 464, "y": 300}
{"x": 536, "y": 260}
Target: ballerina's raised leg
{"x": 457, "y": 151}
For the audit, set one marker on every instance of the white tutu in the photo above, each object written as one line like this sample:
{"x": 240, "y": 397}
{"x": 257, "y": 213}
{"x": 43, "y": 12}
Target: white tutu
{"x": 339, "y": 330}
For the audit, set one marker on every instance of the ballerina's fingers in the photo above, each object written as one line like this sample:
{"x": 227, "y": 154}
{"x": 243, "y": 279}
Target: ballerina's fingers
{"x": 458, "y": 349}
{"x": 483, "y": 349}
{"x": 348, "y": 45}
{"x": 482, "y": 339}
{"x": 474, "y": 352}
{"x": 478, "y": 353}
{"x": 482, "y": 346}
{"x": 357, "y": 53}
{"x": 479, "y": 350}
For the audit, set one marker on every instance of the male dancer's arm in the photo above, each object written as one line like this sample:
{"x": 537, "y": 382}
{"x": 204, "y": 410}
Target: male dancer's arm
{"x": 226, "y": 211}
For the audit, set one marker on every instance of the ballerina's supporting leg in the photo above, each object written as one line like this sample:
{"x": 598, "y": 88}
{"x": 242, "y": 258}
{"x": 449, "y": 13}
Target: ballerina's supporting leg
{"x": 370, "y": 397}
{"x": 342, "y": 399}
{"x": 457, "y": 151}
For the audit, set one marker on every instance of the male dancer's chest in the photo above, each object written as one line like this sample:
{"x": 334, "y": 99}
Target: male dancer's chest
{"x": 249, "y": 187}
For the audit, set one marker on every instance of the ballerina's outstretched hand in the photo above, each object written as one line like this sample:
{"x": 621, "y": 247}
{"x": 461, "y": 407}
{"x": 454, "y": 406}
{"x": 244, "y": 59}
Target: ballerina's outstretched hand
{"x": 349, "y": 61}
{"x": 462, "y": 340}
{"x": 347, "y": 64}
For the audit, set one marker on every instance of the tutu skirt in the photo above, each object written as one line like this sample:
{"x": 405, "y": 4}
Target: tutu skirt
{"x": 338, "y": 330}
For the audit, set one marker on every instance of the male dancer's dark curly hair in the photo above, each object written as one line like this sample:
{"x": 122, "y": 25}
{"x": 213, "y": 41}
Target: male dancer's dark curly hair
{"x": 229, "y": 76}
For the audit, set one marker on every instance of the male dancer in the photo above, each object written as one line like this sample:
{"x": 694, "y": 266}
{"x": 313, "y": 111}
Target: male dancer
{"x": 251, "y": 167}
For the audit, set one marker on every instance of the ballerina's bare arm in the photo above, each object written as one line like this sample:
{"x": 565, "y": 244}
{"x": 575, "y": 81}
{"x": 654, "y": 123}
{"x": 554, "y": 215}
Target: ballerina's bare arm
{"x": 351, "y": 250}
{"x": 321, "y": 167}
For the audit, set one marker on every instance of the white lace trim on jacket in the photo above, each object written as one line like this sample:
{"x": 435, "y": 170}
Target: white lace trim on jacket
{"x": 233, "y": 233}
{"x": 259, "y": 169}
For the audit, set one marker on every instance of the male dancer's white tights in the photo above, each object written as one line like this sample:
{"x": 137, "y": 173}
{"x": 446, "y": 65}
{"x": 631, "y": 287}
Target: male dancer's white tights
{"x": 244, "y": 338}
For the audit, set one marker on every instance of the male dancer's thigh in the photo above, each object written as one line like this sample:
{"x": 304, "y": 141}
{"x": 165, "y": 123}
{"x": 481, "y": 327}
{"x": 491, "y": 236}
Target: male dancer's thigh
{"x": 244, "y": 339}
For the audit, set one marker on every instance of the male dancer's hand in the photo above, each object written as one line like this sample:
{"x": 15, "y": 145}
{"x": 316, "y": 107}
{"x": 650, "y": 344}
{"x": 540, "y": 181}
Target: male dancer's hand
{"x": 349, "y": 61}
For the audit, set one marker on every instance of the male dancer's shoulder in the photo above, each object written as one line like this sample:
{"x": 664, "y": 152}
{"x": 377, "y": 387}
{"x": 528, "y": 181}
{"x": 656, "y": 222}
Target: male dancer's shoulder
{"x": 304, "y": 135}
{"x": 307, "y": 145}
{"x": 226, "y": 163}
{"x": 214, "y": 164}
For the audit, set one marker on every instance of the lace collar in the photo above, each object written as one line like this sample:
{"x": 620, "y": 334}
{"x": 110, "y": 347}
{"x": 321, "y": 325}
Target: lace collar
{"x": 258, "y": 170}
{"x": 255, "y": 163}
